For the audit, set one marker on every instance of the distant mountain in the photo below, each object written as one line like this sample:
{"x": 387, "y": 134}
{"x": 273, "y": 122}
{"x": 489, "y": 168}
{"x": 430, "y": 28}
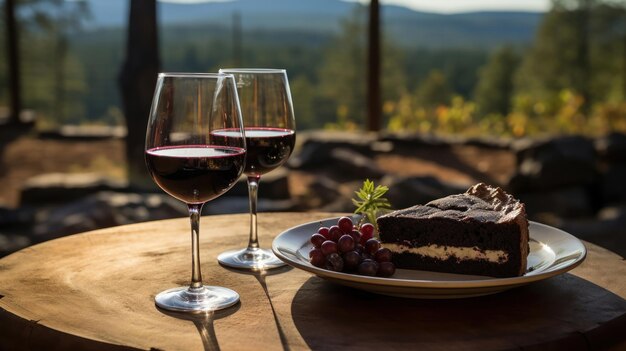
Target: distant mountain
{"x": 403, "y": 25}
{"x": 257, "y": 13}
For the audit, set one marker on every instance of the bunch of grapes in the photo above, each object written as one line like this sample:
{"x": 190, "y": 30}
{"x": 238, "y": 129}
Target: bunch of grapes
{"x": 345, "y": 247}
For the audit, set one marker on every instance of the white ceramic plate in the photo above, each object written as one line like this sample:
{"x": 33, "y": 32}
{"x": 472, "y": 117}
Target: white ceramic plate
{"x": 552, "y": 252}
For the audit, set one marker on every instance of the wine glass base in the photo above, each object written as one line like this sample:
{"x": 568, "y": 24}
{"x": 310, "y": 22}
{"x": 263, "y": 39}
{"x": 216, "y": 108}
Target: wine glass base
{"x": 196, "y": 300}
{"x": 250, "y": 259}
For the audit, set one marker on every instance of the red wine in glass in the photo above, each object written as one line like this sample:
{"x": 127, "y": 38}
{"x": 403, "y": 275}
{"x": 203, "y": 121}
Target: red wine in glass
{"x": 268, "y": 117}
{"x": 195, "y": 173}
{"x": 186, "y": 162}
{"x": 267, "y": 148}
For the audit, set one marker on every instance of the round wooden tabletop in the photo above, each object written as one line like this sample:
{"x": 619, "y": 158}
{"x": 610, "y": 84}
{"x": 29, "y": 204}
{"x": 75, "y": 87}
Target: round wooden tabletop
{"x": 95, "y": 291}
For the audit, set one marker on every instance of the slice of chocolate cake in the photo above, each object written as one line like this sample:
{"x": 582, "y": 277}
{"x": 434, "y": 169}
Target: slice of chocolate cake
{"x": 483, "y": 231}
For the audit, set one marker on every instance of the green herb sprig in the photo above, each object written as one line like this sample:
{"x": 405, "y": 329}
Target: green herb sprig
{"x": 370, "y": 200}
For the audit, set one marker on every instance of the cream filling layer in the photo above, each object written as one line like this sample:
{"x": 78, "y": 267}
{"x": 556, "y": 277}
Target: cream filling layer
{"x": 445, "y": 252}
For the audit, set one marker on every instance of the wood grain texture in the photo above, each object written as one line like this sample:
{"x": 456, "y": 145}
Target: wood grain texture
{"x": 95, "y": 291}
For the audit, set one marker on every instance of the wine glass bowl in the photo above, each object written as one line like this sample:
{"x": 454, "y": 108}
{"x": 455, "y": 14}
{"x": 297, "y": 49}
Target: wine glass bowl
{"x": 187, "y": 161}
{"x": 267, "y": 110}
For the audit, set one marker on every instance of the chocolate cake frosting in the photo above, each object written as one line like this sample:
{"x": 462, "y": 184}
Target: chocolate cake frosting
{"x": 483, "y": 231}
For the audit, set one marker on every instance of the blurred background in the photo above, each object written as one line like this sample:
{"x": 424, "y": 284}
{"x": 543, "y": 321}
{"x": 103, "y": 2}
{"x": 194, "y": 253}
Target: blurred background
{"x": 424, "y": 97}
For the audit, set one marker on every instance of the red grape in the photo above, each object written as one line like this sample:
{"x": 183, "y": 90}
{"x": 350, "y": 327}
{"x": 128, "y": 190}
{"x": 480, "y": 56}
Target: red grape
{"x": 334, "y": 233}
{"x": 386, "y": 269}
{"x": 328, "y": 247}
{"x": 356, "y": 235}
{"x": 334, "y": 262}
{"x": 345, "y": 243}
{"x": 324, "y": 232}
{"x": 367, "y": 230}
{"x": 383, "y": 255}
{"x": 351, "y": 260}
{"x": 368, "y": 267}
{"x": 365, "y": 237}
{"x": 371, "y": 246}
{"x": 366, "y": 255}
{"x": 317, "y": 240}
{"x": 317, "y": 258}
{"x": 345, "y": 224}
{"x": 346, "y": 248}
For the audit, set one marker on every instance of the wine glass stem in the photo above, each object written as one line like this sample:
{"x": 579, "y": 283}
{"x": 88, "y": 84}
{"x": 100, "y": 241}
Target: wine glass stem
{"x": 253, "y": 187}
{"x": 196, "y": 274}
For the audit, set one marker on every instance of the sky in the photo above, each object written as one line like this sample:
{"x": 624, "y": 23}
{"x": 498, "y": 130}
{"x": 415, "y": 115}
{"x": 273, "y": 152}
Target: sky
{"x": 452, "y": 6}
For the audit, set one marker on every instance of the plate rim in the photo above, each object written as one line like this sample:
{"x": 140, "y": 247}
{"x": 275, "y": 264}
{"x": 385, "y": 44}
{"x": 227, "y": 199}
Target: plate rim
{"x": 432, "y": 284}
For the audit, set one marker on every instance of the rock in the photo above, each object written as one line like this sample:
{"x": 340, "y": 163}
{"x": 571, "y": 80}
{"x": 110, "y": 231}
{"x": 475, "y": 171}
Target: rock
{"x": 612, "y": 147}
{"x": 352, "y": 165}
{"x": 341, "y": 204}
{"x": 408, "y": 191}
{"x": 15, "y": 225}
{"x": 322, "y": 191}
{"x": 63, "y": 187}
{"x": 568, "y": 202}
{"x": 606, "y": 230}
{"x": 240, "y": 204}
{"x": 85, "y": 133}
{"x": 10, "y": 243}
{"x": 105, "y": 209}
{"x": 420, "y": 140}
{"x": 316, "y": 148}
{"x": 15, "y": 217}
{"x": 520, "y": 145}
{"x": 487, "y": 142}
{"x": 553, "y": 163}
{"x": 614, "y": 213}
{"x": 613, "y": 182}
{"x": 412, "y": 140}
{"x": 342, "y": 154}
{"x": 274, "y": 185}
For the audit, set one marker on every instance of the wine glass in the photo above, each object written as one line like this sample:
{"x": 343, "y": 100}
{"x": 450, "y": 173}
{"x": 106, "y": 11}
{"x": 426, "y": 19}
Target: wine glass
{"x": 187, "y": 161}
{"x": 270, "y": 126}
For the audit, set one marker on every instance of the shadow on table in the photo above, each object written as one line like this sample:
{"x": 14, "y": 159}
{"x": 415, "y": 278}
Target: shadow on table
{"x": 565, "y": 311}
{"x": 260, "y": 277}
{"x": 204, "y": 323}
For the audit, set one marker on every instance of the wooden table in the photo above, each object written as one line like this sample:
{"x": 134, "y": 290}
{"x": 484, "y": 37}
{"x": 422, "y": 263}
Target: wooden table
{"x": 95, "y": 291}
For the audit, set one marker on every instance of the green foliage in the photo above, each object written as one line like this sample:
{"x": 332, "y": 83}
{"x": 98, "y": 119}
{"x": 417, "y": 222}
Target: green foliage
{"x": 529, "y": 117}
{"x": 101, "y": 54}
{"x": 457, "y": 117}
{"x": 459, "y": 66}
{"x": 434, "y": 91}
{"x": 579, "y": 47}
{"x": 52, "y": 76}
{"x": 494, "y": 91}
{"x": 572, "y": 79}
{"x": 303, "y": 92}
{"x": 343, "y": 73}
{"x": 370, "y": 200}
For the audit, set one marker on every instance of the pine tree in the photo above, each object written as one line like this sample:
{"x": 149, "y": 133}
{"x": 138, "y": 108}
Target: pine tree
{"x": 577, "y": 49}
{"x": 434, "y": 91}
{"x": 494, "y": 90}
{"x": 342, "y": 73}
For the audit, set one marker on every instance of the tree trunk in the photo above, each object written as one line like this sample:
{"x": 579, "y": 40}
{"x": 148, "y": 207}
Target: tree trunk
{"x": 374, "y": 109}
{"x": 624, "y": 68}
{"x": 137, "y": 81}
{"x": 14, "y": 63}
{"x": 584, "y": 13}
